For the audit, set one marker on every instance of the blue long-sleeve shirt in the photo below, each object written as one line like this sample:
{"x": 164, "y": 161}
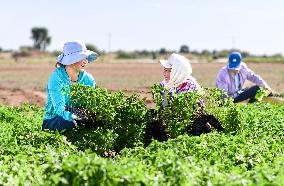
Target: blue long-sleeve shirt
{"x": 56, "y": 98}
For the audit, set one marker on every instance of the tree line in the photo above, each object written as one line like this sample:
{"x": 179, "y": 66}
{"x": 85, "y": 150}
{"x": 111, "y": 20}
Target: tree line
{"x": 41, "y": 39}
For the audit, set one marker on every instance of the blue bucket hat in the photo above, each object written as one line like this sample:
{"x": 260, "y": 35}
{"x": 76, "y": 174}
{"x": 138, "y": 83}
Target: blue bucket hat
{"x": 74, "y": 52}
{"x": 235, "y": 59}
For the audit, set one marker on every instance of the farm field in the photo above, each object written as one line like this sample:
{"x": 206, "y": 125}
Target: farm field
{"x": 25, "y": 82}
{"x": 98, "y": 93}
{"x": 249, "y": 151}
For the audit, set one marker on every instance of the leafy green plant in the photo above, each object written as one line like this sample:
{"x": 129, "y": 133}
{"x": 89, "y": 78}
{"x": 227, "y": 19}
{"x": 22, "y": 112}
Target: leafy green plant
{"x": 179, "y": 108}
{"x": 178, "y": 115}
{"x": 124, "y": 116}
{"x": 261, "y": 93}
{"x": 250, "y": 154}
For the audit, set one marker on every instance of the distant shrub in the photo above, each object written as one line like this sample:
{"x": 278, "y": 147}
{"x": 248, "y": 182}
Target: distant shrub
{"x": 163, "y": 51}
{"x": 93, "y": 48}
{"x": 124, "y": 55}
{"x": 25, "y": 51}
{"x": 56, "y": 53}
{"x": 184, "y": 49}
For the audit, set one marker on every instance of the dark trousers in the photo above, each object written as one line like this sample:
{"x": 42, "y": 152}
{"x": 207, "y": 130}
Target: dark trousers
{"x": 248, "y": 93}
{"x": 57, "y": 123}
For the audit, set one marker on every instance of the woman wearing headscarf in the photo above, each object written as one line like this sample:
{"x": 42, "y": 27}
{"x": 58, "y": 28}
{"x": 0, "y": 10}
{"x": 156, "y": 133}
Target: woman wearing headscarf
{"x": 177, "y": 75}
{"x": 178, "y": 79}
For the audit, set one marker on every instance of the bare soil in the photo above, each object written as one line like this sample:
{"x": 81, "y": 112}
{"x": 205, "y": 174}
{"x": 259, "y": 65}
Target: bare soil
{"x": 18, "y": 97}
{"x": 25, "y": 82}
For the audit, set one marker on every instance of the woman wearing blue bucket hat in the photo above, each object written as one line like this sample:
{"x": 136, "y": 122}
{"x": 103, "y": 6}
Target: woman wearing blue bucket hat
{"x": 69, "y": 70}
{"x": 231, "y": 79}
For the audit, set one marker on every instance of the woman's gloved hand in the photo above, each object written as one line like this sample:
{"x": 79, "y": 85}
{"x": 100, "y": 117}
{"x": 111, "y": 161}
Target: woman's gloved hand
{"x": 77, "y": 113}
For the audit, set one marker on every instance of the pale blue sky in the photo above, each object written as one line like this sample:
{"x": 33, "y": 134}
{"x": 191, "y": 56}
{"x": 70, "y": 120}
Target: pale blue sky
{"x": 254, "y": 25}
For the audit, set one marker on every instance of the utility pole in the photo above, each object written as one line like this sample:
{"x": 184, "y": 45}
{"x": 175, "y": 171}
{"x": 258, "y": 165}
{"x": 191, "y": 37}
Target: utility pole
{"x": 109, "y": 46}
{"x": 233, "y": 42}
{"x": 109, "y": 42}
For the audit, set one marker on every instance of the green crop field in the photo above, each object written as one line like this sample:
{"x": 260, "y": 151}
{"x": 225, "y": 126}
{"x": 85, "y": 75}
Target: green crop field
{"x": 248, "y": 152}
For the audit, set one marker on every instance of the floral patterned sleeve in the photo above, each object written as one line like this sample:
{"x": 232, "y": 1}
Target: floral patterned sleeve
{"x": 189, "y": 85}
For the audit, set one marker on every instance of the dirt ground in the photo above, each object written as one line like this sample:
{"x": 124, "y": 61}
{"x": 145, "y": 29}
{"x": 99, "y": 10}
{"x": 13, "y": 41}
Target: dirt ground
{"x": 18, "y": 97}
{"x": 25, "y": 82}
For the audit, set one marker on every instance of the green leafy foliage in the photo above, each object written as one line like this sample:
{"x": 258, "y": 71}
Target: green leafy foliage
{"x": 181, "y": 108}
{"x": 123, "y": 116}
{"x": 249, "y": 152}
{"x": 261, "y": 93}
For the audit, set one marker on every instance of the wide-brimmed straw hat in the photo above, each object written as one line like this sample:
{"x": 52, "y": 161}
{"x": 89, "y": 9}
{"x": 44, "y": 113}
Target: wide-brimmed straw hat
{"x": 75, "y": 51}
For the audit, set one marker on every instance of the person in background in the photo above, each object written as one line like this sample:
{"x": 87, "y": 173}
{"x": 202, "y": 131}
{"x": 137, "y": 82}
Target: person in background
{"x": 177, "y": 75}
{"x": 69, "y": 70}
{"x": 231, "y": 79}
{"x": 178, "y": 79}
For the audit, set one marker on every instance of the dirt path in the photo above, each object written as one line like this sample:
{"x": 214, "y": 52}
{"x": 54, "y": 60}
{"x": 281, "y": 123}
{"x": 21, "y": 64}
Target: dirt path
{"x": 17, "y": 97}
{"x": 19, "y": 81}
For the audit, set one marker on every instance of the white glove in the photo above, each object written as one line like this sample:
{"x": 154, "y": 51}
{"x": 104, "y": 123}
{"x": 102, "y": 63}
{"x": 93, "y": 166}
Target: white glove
{"x": 74, "y": 116}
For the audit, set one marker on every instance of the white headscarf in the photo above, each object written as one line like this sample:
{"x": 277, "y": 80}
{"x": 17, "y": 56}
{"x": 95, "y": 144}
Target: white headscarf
{"x": 181, "y": 70}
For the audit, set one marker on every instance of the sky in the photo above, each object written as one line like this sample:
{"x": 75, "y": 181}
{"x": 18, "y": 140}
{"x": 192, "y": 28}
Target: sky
{"x": 256, "y": 26}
